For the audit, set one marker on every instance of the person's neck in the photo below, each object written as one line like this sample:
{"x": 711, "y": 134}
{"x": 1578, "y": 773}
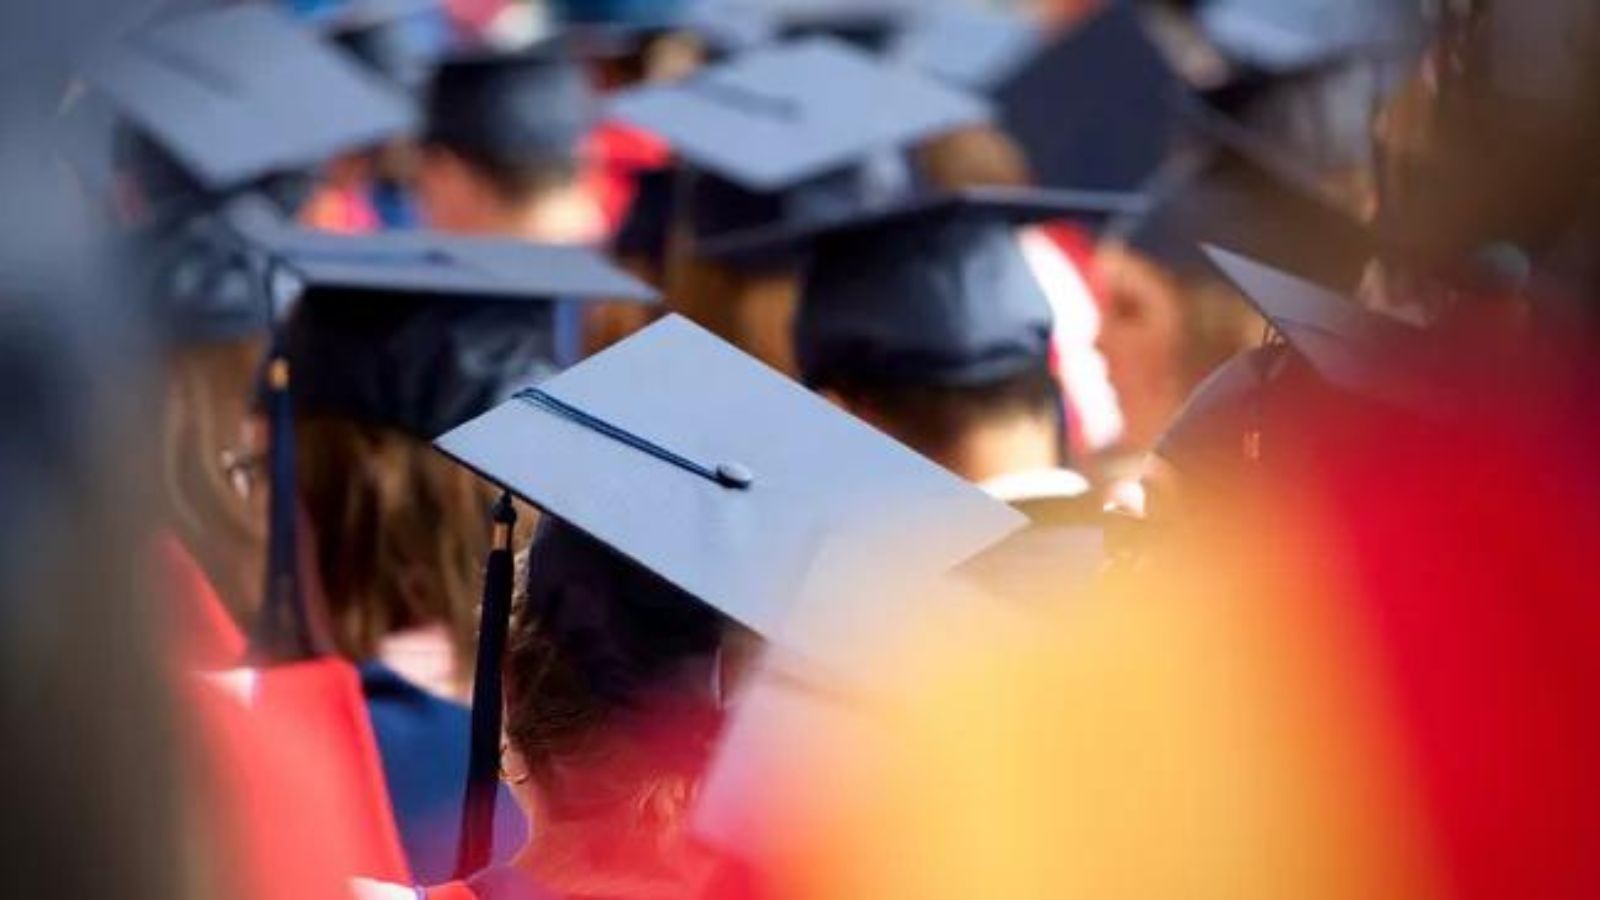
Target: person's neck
{"x": 998, "y": 450}
{"x": 560, "y": 214}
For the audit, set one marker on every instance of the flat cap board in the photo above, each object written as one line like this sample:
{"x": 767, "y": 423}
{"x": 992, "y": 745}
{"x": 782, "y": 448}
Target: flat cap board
{"x": 407, "y": 262}
{"x": 781, "y": 115}
{"x": 1355, "y": 349}
{"x": 1098, "y": 108}
{"x": 238, "y": 93}
{"x": 816, "y": 476}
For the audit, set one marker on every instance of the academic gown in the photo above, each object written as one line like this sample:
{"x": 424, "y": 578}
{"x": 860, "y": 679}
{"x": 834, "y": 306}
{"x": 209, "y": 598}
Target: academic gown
{"x": 423, "y": 740}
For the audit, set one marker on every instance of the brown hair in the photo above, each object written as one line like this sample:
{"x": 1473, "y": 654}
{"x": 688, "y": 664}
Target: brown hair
{"x": 976, "y": 156}
{"x": 753, "y": 310}
{"x": 215, "y": 492}
{"x": 401, "y": 534}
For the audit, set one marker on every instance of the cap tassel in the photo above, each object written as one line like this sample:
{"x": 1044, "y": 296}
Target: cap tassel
{"x": 483, "y": 764}
{"x": 282, "y": 631}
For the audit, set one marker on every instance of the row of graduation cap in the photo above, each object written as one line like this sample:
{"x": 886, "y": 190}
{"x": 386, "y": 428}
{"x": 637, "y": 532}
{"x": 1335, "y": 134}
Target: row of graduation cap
{"x": 746, "y": 474}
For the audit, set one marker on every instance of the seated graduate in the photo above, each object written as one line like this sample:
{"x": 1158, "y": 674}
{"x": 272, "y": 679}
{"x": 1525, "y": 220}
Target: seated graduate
{"x": 381, "y": 369}
{"x": 501, "y": 147}
{"x": 169, "y": 180}
{"x": 688, "y": 492}
{"x": 1170, "y": 317}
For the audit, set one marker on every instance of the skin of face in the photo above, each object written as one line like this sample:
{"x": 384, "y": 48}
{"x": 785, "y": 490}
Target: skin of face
{"x": 1141, "y": 334}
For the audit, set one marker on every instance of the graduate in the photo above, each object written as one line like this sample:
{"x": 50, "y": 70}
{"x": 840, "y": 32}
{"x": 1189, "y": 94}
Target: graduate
{"x": 501, "y": 150}
{"x": 442, "y": 329}
{"x": 1170, "y": 317}
{"x": 205, "y": 281}
{"x": 675, "y": 539}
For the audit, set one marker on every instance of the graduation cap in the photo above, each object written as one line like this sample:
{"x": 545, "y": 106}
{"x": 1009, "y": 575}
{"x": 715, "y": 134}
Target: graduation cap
{"x": 236, "y": 94}
{"x": 929, "y": 292}
{"x": 753, "y": 230}
{"x": 1096, "y": 109}
{"x": 714, "y": 473}
{"x": 1236, "y": 192}
{"x": 971, "y": 47}
{"x": 783, "y": 115}
{"x": 388, "y": 36}
{"x": 420, "y": 331}
{"x": 531, "y": 106}
{"x": 1356, "y": 350}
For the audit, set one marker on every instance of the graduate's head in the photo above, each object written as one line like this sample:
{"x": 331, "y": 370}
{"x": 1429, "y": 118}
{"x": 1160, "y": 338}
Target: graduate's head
{"x": 1161, "y": 332}
{"x": 604, "y": 653}
{"x": 502, "y": 132}
{"x": 934, "y": 328}
{"x": 1169, "y": 316}
{"x": 380, "y": 369}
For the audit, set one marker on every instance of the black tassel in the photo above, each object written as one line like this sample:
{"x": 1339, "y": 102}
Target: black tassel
{"x": 483, "y": 765}
{"x": 282, "y": 631}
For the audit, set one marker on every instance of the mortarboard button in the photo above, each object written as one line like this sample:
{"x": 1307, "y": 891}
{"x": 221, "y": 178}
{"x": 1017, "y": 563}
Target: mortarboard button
{"x": 735, "y": 476}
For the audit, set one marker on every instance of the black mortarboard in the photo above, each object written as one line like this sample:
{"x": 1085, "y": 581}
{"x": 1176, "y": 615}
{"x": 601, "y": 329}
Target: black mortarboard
{"x": 239, "y": 93}
{"x": 1352, "y": 348}
{"x": 706, "y": 470}
{"x": 967, "y": 46}
{"x": 718, "y": 474}
{"x": 783, "y": 115}
{"x": 1236, "y": 193}
{"x": 532, "y": 106}
{"x": 754, "y": 229}
{"x": 851, "y": 214}
{"x": 1097, "y": 109}
{"x": 385, "y": 35}
{"x": 420, "y": 332}
{"x": 936, "y": 293}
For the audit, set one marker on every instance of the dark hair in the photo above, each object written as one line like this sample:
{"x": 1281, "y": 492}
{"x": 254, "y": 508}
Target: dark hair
{"x": 932, "y": 419}
{"x": 608, "y": 676}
